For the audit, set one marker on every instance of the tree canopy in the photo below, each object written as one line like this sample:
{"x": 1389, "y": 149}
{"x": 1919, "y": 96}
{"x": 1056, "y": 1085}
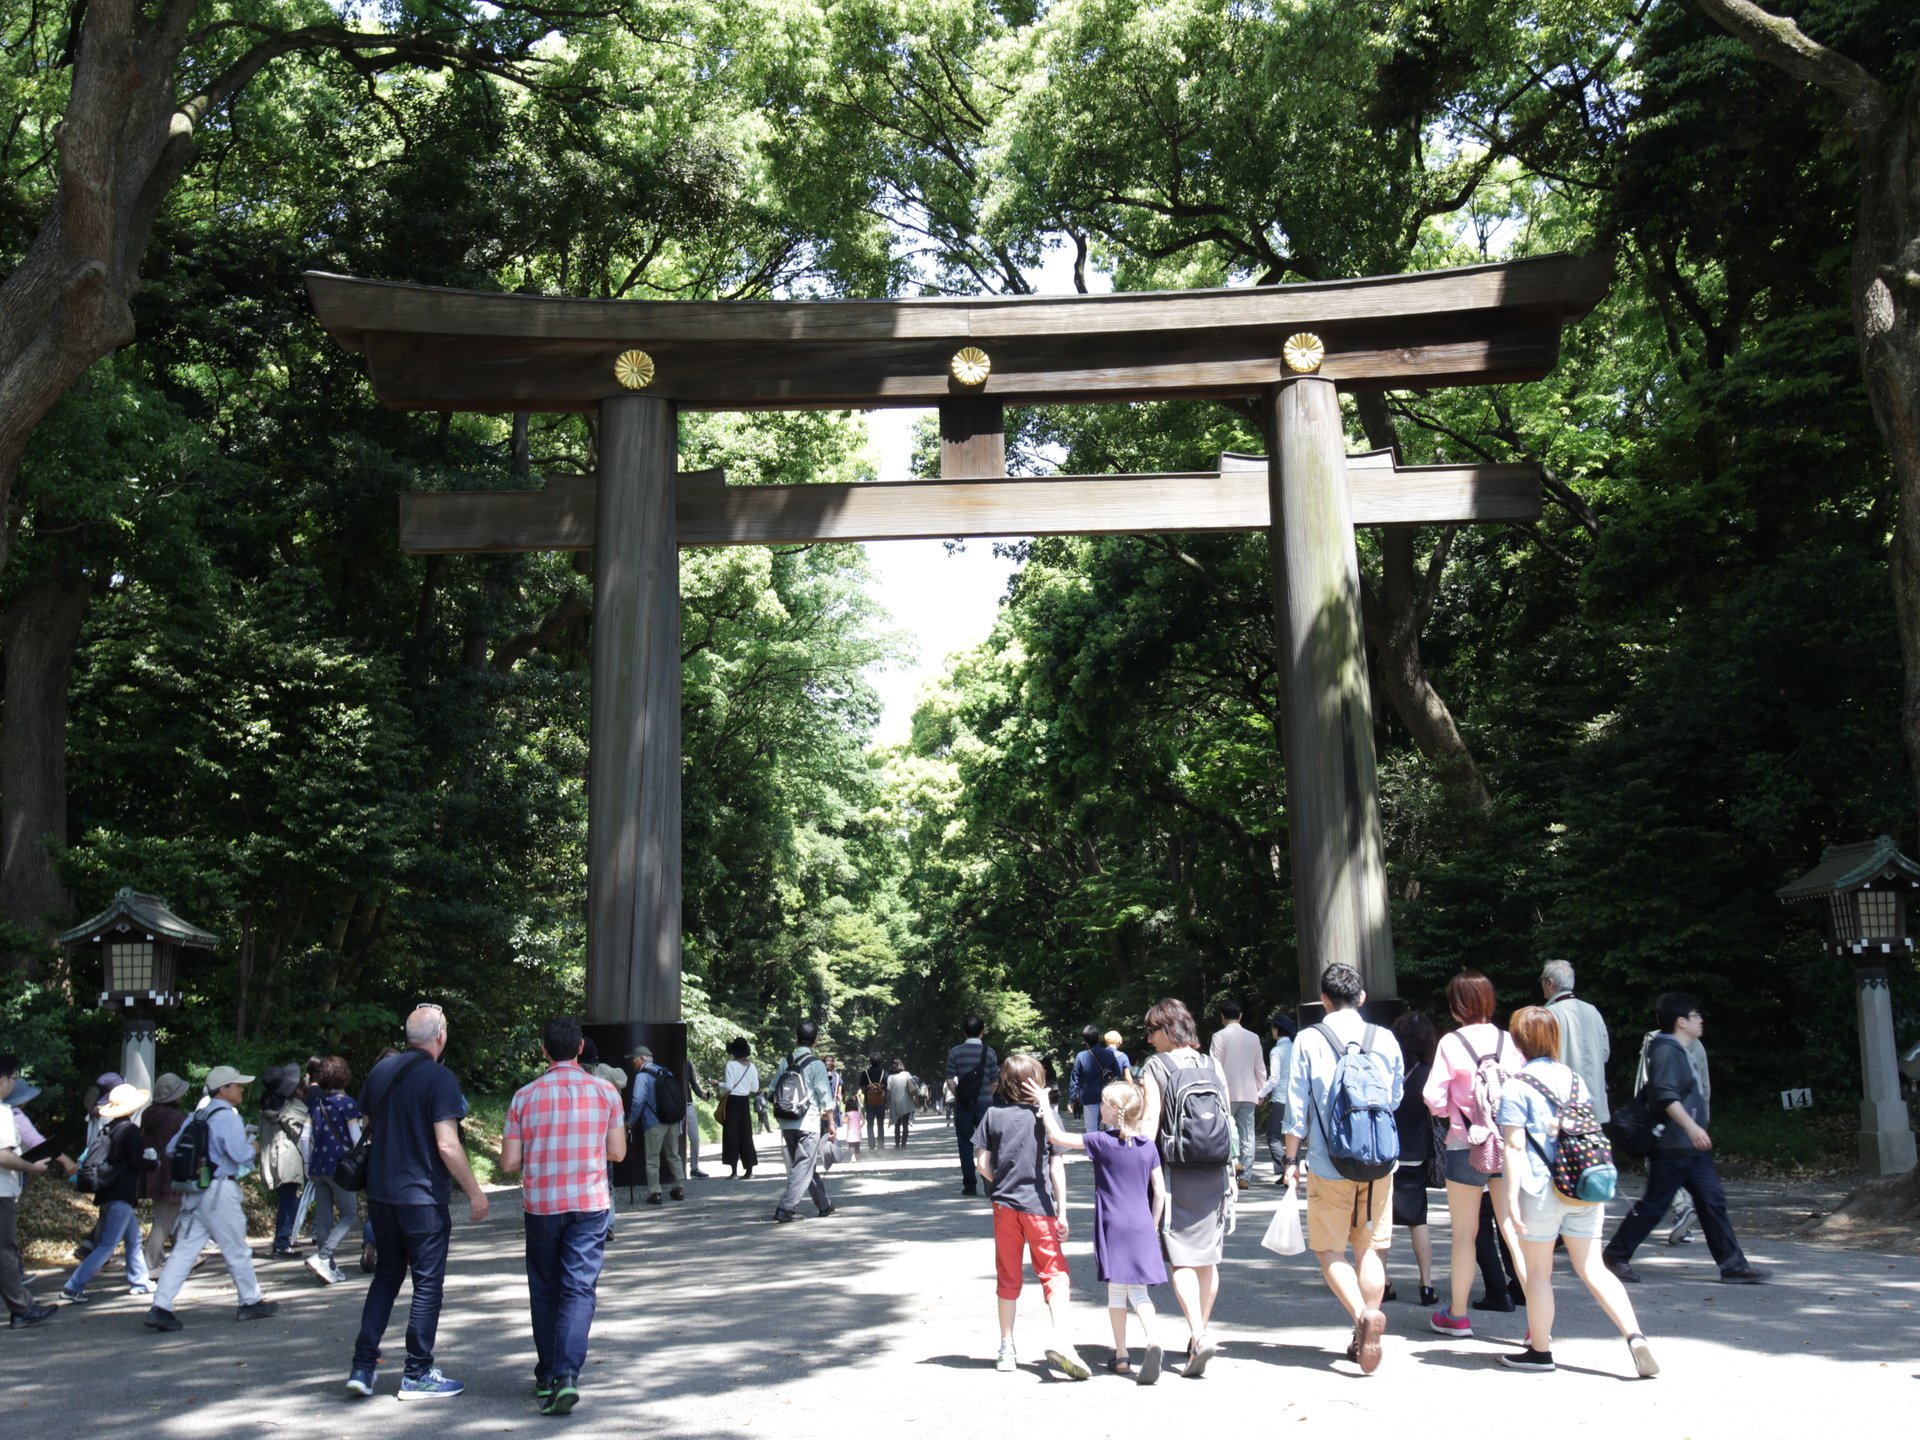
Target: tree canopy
{"x": 1607, "y": 736}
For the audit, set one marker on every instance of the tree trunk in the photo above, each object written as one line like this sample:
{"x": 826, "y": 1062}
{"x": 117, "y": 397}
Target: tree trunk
{"x": 39, "y": 632}
{"x": 1394, "y": 613}
{"x": 1884, "y": 284}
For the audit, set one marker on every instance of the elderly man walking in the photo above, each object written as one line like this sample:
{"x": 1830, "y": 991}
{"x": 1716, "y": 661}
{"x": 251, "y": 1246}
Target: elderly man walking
{"x": 1584, "y": 1044}
{"x": 210, "y": 1206}
{"x": 414, "y": 1107}
{"x": 23, "y": 1311}
{"x": 564, "y": 1130}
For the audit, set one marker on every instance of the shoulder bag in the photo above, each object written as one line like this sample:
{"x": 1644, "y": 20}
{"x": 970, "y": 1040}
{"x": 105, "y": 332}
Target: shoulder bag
{"x": 351, "y": 1172}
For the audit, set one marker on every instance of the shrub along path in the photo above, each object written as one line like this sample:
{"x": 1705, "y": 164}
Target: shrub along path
{"x": 879, "y": 1319}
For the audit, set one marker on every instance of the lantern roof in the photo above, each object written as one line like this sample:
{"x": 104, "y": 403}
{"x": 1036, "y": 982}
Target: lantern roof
{"x": 148, "y": 913}
{"x": 1852, "y": 867}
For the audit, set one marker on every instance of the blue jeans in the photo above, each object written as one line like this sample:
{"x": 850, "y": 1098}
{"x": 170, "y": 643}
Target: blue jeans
{"x": 119, "y": 1224}
{"x": 283, "y": 1236}
{"x": 1668, "y": 1172}
{"x": 409, "y": 1238}
{"x": 564, "y": 1253}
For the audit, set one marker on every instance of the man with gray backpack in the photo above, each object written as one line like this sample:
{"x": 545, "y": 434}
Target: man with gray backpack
{"x": 1346, "y": 1082}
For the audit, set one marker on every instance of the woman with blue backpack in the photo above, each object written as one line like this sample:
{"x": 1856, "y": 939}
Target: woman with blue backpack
{"x": 1560, "y": 1173}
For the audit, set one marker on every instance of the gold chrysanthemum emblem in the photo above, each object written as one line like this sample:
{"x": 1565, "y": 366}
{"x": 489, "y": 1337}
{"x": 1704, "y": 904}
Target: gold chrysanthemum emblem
{"x": 971, "y": 366}
{"x": 1304, "y": 352}
{"x": 634, "y": 369}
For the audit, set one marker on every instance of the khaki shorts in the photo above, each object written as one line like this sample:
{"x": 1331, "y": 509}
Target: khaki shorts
{"x": 1337, "y": 1214}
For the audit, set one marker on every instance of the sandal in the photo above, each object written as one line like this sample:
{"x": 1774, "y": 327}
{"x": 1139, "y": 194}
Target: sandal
{"x": 1120, "y": 1365}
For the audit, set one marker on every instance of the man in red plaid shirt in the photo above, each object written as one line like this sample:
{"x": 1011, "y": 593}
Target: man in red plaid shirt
{"x": 563, "y": 1129}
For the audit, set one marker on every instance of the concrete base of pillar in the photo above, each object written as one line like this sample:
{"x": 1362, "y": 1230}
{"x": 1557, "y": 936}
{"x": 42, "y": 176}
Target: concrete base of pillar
{"x": 613, "y": 1039}
{"x": 1887, "y": 1152}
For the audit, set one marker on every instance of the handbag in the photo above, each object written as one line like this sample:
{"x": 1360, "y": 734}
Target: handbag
{"x": 1283, "y": 1235}
{"x": 351, "y": 1172}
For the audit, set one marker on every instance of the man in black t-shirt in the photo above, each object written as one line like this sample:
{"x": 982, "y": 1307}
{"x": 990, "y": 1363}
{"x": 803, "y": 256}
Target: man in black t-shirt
{"x": 415, "y": 1157}
{"x": 972, "y": 1070}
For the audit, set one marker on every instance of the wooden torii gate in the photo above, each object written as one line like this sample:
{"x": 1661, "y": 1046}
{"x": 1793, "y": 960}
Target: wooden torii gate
{"x": 1290, "y": 349}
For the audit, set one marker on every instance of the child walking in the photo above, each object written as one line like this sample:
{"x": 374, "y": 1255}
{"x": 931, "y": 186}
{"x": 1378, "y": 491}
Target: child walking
{"x": 1026, "y": 1179}
{"x": 1128, "y": 1200}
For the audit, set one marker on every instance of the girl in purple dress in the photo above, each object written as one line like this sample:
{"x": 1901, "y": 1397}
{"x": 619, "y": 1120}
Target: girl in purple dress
{"x": 1128, "y": 1198}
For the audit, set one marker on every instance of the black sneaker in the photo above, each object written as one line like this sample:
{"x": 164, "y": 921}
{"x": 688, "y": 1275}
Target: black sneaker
{"x": 258, "y": 1310}
{"x": 1429, "y": 1300}
{"x": 1745, "y": 1275}
{"x": 1529, "y": 1361}
{"x": 1620, "y": 1270}
{"x": 158, "y": 1319}
{"x": 565, "y": 1395}
{"x": 33, "y": 1315}
{"x": 1499, "y": 1304}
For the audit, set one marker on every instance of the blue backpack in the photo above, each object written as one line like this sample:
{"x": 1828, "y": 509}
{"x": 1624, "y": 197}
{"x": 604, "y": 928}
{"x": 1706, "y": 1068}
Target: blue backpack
{"x": 1362, "y": 1139}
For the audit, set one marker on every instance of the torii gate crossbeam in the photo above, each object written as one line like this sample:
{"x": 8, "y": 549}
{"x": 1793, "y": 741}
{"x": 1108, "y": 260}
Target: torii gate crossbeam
{"x": 1288, "y": 348}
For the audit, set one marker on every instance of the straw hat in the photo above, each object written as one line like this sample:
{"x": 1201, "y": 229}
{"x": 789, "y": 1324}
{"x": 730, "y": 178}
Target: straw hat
{"x": 122, "y": 1101}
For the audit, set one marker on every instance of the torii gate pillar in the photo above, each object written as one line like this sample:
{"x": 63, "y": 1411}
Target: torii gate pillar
{"x": 1326, "y": 724}
{"x": 633, "y": 780}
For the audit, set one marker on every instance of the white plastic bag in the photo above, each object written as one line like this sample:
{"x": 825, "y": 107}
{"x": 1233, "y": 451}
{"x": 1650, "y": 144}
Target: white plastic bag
{"x": 1283, "y": 1235}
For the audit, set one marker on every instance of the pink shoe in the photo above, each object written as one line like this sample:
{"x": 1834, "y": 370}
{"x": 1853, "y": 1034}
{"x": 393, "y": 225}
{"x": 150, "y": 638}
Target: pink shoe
{"x": 1446, "y": 1323}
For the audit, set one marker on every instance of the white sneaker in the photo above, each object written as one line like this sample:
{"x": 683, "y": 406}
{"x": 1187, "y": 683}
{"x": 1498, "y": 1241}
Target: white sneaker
{"x": 1007, "y": 1360}
{"x": 323, "y": 1268}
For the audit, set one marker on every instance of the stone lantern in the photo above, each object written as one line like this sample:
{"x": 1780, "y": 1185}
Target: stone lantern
{"x": 1864, "y": 892}
{"x": 140, "y": 940}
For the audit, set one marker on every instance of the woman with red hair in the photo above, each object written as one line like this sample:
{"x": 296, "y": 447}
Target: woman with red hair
{"x": 1470, "y": 1068}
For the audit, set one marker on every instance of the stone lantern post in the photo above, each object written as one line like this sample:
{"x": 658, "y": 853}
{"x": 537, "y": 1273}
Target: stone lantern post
{"x": 140, "y": 940}
{"x": 1864, "y": 891}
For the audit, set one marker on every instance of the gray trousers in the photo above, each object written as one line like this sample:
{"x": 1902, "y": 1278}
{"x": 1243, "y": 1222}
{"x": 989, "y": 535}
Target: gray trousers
{"x": 334, "y": 1211}
{"x": 803, "y": 1148}
{"x": 166, "y": 1214}
{"x": 661, "y": 1147}
{"x": 212, "y": 1214}
{"x": 13, "y": 1275}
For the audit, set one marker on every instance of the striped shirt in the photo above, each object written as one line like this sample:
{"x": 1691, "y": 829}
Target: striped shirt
{"x": 561, "y": 1121}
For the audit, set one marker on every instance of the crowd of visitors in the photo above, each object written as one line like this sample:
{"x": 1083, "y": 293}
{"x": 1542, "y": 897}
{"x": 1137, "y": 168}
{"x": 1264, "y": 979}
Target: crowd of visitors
{"x": 1364, "y": 1121}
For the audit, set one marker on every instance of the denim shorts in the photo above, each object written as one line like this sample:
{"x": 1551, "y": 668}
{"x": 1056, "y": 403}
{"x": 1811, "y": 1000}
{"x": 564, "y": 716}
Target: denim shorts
{"x": 1460, "y": 1171}
{"x": 1548, "y": 1215}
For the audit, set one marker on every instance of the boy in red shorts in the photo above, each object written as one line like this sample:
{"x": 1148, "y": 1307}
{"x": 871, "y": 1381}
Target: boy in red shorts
{"x": 1027, "y": 1181}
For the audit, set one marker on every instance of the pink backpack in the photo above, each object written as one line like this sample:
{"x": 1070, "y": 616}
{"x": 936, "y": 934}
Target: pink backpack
{"x": 1478, "y": 1110}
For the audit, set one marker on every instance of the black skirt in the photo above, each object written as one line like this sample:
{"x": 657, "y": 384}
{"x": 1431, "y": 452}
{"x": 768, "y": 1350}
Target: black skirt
{"x": 736, "y": 1132}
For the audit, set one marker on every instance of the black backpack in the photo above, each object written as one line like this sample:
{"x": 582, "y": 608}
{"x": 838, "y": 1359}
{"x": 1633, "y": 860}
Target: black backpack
{"x": 88, "y": 1178}
{"x": 966, "y": 1088}
{"x": 1194, "y": 1117}
{"x": 191, "y": 1167}
{"x": 669, "y": 1101}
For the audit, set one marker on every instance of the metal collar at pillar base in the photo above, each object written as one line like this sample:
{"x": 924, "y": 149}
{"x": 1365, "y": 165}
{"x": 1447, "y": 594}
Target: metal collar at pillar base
{"x": 1870, "y": 977}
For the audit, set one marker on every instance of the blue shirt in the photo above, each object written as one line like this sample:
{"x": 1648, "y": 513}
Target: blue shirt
{"x": 333, "y": 1112}
{"x": 228, "y": 1149}
{"x": 1311, "y": 1080}
{"x": 403, "y": 1162}
{"x": 1522, "y": 1105}
{"x": 814, "y": 1071}
{"x": 1093, "y": 1070}
{"x": 640, "y": 1110}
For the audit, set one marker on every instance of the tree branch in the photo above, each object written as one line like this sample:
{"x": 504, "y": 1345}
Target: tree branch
{"x": 1784, "y": 45}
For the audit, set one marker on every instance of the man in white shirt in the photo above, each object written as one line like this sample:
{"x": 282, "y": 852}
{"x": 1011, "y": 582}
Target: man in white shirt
{"x": 1279, "y": 1068}
{"x": 1236, "y": 1053}
{"x": 22, "y": 1309}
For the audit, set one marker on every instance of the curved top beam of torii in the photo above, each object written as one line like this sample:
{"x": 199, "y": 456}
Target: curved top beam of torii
{"x": 435, "y": 349}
